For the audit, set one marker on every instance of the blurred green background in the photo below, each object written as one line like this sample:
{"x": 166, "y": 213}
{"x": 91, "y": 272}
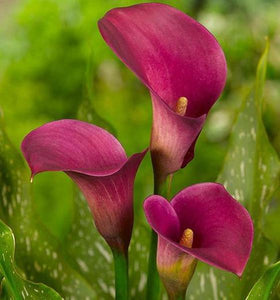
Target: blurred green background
{"x": 54, "y": 64}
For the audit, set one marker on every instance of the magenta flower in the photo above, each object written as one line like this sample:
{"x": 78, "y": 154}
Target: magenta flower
{"x": 97, "y": 163}
{"x": 201, "y": 222}
{"x": 182, "y": 65}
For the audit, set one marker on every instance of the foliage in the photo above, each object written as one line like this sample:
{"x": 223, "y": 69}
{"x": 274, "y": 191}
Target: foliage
{"x": 55, "y": 65}
{"x": 13, "y": 286}
{"x": 266, "y": 286}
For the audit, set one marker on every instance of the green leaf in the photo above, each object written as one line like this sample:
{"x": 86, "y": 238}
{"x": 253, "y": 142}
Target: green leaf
{"x": 271, "y": 226}
{"x": 252, "y": 167}
{"x": 13, "y": 286}
{"x": 251, "y": 174}
{"x": 266, "y": 286}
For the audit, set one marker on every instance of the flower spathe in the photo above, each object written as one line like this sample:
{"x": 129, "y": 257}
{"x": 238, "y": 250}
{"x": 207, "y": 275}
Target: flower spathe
{"x": 97, "y": 163}
{"x": 176, "y": 58}
{"x": 201, "y": 222}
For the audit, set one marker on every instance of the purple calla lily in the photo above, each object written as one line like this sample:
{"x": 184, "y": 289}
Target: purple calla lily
{"x": 182, "y": 65}
{"x": 97, "y": 163}
{"x": 201, "y": 222}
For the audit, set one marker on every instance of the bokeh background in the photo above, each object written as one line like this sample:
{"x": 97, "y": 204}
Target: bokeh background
{"x": 54, "y": 65}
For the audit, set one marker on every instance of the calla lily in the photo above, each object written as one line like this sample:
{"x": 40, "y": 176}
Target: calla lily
{"x": 97, "y": 163}
{"x": 182, "y": 65}
{"x": 201, "y": 222}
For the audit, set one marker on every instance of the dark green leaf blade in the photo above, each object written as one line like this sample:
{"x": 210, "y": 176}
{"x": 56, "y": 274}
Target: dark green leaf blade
{"x": 13, "y": 285}
{"x": 265, "y": 287}
{"x": 251, "y": 172}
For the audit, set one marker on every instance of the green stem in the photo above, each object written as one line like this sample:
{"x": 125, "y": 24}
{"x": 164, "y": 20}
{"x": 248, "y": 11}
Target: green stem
{"x": 181, "y": 297}
{"x": 121, "y": 275}
{"x": 168, "y": 193}
{"x": 153, "y": 282}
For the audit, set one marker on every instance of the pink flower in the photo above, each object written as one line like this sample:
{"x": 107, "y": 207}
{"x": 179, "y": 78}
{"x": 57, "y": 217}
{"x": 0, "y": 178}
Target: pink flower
{"x": 201, "y": 222}
{"x": 182, "y": 65}
{"x": 97, "y": 163}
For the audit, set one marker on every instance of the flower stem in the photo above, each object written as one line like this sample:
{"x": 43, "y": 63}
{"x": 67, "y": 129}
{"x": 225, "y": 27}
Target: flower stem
{"x": 181, "y": 297}
{"x": 178, "y": 296}
{"x": 168, "y": 193}
{"x": 121, "y": 275}
{"x": 153, "y": 282}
